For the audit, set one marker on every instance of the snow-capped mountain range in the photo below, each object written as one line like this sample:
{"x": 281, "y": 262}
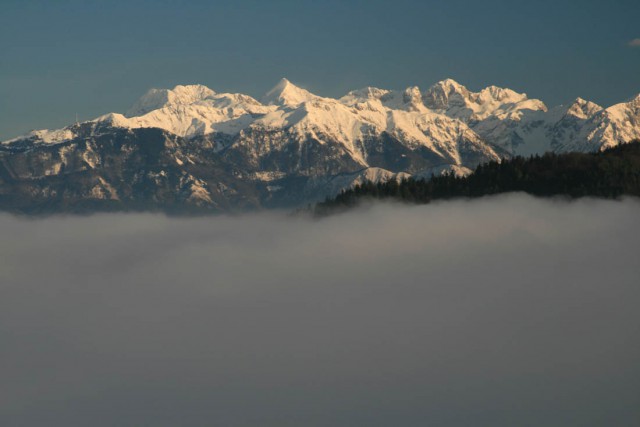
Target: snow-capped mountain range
{"x": 225, "y": 150}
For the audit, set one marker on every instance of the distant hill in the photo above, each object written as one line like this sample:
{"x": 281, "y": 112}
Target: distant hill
{"x": 611, "y": 173}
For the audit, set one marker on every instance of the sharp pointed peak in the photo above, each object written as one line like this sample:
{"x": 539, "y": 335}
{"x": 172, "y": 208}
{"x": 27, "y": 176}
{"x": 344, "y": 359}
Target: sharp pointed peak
{"x": 287, "y": 93}
{"x": 583, "y": 103}
{"x": 284, "y": 83}
{"x": 582, "y": 108}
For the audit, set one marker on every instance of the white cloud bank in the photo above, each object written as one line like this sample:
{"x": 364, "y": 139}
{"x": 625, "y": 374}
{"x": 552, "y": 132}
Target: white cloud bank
{"x": 503, "y": 311}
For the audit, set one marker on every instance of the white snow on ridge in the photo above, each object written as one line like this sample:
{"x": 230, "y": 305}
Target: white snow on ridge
{"x": 158, "y": 98}
{"x": 583, "y": 109}
{"x": 45, "y": 136}
{"x": 437, "y": 118}
{"x": 287, "y": 94}
{"x": 209, "y": 112}
{"x": 455, "y": 100}
{"x": 617, "y": 123}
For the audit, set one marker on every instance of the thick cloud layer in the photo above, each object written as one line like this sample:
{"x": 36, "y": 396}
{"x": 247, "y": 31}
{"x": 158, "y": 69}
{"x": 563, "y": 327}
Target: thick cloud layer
{"x": 505, "y": 311}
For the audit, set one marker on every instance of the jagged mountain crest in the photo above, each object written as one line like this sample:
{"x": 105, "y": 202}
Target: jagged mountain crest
{"x": 155, "y": 99}
{"x": 498, "y": 116}
{"x": 216, "y": 150}
{"x": 583, "y": 109}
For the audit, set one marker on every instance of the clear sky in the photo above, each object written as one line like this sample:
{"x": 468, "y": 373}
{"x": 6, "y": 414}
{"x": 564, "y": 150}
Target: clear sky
{"x": 92, "y": 57}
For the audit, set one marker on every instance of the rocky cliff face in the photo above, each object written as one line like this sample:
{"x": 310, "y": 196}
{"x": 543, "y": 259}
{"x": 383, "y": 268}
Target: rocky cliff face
{"x": 192, "y": 149}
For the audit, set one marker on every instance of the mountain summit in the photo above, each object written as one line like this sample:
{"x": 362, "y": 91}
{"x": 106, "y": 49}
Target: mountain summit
{"x": 193, "y": 147}
{"x": 287, "y": 94}
{"x": 159, "y": 98}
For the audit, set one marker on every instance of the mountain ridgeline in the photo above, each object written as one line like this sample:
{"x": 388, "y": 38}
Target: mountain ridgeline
{"x": 612, "y": 173}
{"x": 191, "y": 149}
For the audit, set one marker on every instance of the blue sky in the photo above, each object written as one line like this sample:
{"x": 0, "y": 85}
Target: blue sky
{"x": 93, "y": 57}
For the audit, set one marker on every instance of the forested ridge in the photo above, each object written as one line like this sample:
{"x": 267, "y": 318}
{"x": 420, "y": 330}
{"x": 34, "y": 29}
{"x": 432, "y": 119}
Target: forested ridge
{"x": 611, "y": 173}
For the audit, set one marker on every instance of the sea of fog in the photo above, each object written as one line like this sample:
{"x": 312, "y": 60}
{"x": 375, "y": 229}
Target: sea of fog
{"x": 505, "y": 311}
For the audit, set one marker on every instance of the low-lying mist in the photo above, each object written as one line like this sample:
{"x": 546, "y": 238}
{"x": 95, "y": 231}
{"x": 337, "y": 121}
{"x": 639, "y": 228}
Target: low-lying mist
{"x": 505, "y": 311}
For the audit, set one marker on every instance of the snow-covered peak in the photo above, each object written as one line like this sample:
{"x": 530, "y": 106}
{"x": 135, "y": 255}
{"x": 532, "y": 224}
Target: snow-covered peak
{"x": 155, "y": 99}
{"x": 227, "y": 113}
{"x": 626, "y": 114}
{"x": 495, "y": 93}
{"x": 435, "y": 118}
{"x": 287, "y": 94}
{"x": 609, "y": 127}
{"x": 457, "y": 101}
{"x": 582, "y": 109}
{"x": 625, "y": 110}
{"x": 449, "y": 85}
{"x": 445, "y": 93}
{"x": 412, "y": 98}
{"x": 113, "y": 119}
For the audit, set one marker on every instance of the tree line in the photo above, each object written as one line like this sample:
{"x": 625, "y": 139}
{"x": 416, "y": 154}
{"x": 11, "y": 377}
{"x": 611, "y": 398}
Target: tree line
{"x": 611, "y": 173}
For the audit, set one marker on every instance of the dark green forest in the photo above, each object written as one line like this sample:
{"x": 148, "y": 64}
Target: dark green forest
{"x": 607, "y": 174}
